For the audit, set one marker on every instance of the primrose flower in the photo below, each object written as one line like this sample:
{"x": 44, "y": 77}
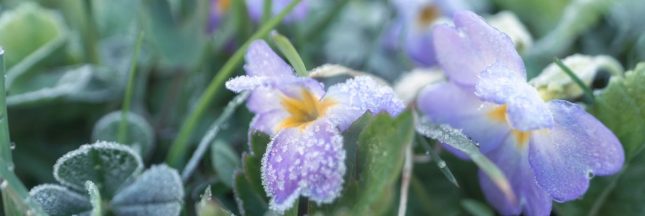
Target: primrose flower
{"x": 217, "y": 11}
{"x": 306, "y": 155}
{"x": 414, "y": 24}
{"x": 547, "y": 150}
{"x": 256, "y": 7}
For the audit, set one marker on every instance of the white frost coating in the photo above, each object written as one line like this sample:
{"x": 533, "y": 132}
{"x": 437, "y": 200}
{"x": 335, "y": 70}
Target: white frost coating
{"x": 85, "y": 149}
{"x": 359, "y": 95}
{"x": 308, "y": 163}
{"x": 411, "y": 83}
{"x": 507, "y": 22}
{"x": 557, "y": 84}
{"x": 58, "y": 200}
{"x": 158, "y": 191}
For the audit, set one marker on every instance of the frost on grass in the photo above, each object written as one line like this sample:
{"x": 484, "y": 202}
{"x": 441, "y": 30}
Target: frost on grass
{"x": 95, "y": 197}
{"x": 57, "y": 200}
{"x": 107, "y": 164}
{"x": 140, "y": 134}
{"x": 158, "y": 191}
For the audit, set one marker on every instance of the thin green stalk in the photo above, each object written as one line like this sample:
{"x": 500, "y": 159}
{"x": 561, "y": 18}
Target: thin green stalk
{"x": 127, "y": 99}
{"x": 179, "y": 147}
{"x": 267, "y": 10}
{"x": 287, "y": 49}
{"x": 91, "y": 34}
{"x": 11, "y": 186}
{"x": 441, "y": 164}
{"x": 587, "y": 91}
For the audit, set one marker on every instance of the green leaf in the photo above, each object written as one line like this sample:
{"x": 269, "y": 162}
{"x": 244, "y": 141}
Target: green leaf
{"x": 621, "y": 107}
{"x": 140, "y": 133}
{"x": 179, "y": 43}
{"x": 109, "y": 165}
{"x": 56, "y": 200}
{"x": 373, "y": 164}
{"x": 248, "y": 200}
{"x": 209, "y": 207}
{"x": 287, "y": 49}
{"x": 158, "y": 191}
{"x": 225, "y": 161}
{"x": 26, "y": 29}
{"x": 95, "y": 198}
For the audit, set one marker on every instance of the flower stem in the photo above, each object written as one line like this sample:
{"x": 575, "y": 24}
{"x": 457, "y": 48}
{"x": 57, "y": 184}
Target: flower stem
{"x": 91, "y": 34}
{"x": 179, "y": 147}
{"x": 587, "y": 91}
{"x": 127, "y": 99}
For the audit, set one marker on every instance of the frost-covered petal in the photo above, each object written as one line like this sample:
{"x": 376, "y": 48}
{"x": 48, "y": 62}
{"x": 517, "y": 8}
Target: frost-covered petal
{"x": 578, "y": 146}
{"x": 447, "y": 103}
{"x": 261, "y": 60}
{"x": 512, "y": 158}
{"x": 256, "y": 7}
{"x": 358, "y": 95}
{"x": 308, "y": 162}
{"x": 471, "y": 46}
{"x": 526, "y": 109}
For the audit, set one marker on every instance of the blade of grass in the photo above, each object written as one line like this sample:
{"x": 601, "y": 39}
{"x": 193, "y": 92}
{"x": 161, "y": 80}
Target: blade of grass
{"x": 441, "y": 164}
{"x": 453, "y": 137}
{"x": 127, "y": 99}
{"x": 211, "y": 134}
{"x": 179, "y": 147}
{"x": 90, "y": 34}
{"x": 587, "y": 91}
{"x": 11, "y": 186}
{"x": 287, "y": 49}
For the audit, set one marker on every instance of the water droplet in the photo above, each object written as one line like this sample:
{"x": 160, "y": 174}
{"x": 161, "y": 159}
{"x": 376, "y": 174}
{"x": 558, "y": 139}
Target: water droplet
{"x": 13, "y": 146}
{"x": 427, "y": 152}
{"x": 4, "y": 184}
{"x": 590, "y": 175}
{"x": 441, "y": 164}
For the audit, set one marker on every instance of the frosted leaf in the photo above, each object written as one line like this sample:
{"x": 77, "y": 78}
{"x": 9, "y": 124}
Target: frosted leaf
{"x": 140, "y": 132}
{"x": 84, "y": 83}
{"x": 56, "y": 200}
{"x": 158, "y": 191}
{"x": 225, "y": 161}
{"x": 109, "y": 165}
{"x": 210, "y": 207}
{"x": 456, "y": 139}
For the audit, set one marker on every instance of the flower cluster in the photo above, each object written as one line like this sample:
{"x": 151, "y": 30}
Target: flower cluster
{"x": 306, "y": 155}
{"x": 547, "y": 150}
{"x": 414, "y": 24}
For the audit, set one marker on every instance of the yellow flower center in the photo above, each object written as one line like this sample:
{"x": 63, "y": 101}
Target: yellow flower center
{"x": 222, "y": 6}
{"x": 521, "y": 137}
{"x": 304, "y": 110}
{"x": 428, "y": 15}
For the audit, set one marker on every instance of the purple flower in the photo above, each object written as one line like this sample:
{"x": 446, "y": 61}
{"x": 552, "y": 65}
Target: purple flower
{"x": 414, "y": 24}
{"x": 256, "y": 8}
{"x": 306, "y": 155}
{"x": 547, "y": 150}
{"x": 217, "y": 11}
